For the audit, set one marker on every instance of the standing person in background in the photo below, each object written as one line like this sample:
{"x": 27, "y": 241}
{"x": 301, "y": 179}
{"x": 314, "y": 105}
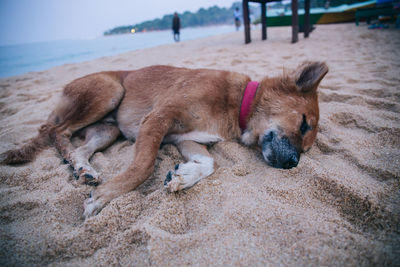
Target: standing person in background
{"x": 236, "y": 14}
{"x": 176, "y": 25}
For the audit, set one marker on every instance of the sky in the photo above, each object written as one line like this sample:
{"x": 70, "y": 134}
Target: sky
{"x": 27, "y": 21}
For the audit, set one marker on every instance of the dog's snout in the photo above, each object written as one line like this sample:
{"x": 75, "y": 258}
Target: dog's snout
{"x": 279, "y": 152}
{"x": 268, "y": 137}
{"x": 291, "y": 162}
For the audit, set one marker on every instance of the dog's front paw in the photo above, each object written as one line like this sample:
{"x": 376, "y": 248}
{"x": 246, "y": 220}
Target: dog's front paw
{"x": 188, "y": 174}
{"x": 92, "y": 206}
{"x": 174, "y": 182}
{"x": 97, "y": 200}
{"x": 106, "y": 192}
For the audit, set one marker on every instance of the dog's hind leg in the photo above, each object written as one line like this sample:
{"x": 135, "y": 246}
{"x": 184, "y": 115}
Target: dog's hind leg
{"x": 85, "y": 102}
{"x": 97, "y": 137}
{"x": 199, "y": 165}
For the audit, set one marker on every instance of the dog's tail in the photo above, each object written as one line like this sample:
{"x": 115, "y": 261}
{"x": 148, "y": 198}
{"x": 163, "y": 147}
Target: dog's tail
{"x": 27, "y": 152}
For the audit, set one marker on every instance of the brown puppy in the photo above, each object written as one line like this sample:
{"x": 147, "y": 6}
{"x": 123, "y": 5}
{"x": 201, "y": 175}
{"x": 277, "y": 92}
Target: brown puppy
{"x": 186, "y": 107}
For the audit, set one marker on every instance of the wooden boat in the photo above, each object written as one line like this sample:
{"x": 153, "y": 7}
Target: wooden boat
{"x": 342, "y": 13}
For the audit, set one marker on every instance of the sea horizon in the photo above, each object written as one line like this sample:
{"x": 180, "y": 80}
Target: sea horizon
{"x": 19, "y": 59}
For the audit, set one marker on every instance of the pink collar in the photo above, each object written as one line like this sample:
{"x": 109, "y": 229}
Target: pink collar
{"x": 248, "y": 98}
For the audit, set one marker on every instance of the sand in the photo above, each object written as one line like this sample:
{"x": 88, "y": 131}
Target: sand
{"x": 340, "y": 206}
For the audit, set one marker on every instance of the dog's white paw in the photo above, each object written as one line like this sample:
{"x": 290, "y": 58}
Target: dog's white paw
{"x": 174, "y": 182}
{"x": 187, "y": 174}
{"x": 92, "y": 206}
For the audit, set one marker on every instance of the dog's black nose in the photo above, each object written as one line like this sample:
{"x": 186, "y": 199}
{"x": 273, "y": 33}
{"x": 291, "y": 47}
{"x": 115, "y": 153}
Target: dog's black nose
{"x": 291, "y": 162}
{"x": 279, "y": 152}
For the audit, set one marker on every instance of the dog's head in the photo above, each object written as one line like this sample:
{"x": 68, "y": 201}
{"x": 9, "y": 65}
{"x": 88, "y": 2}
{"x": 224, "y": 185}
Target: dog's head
{"x": 285, "y": 114}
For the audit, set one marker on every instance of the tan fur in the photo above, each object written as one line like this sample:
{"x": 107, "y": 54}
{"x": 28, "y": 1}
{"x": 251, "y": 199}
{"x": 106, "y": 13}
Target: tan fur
{"x": 159, "y": 103}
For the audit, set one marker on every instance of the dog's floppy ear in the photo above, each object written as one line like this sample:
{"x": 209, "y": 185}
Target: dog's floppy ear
{"x": 309, "y": 74}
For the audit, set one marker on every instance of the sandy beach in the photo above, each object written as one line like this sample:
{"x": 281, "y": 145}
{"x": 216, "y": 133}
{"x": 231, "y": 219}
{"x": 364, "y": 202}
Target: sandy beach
{"x": 339, "y": 207}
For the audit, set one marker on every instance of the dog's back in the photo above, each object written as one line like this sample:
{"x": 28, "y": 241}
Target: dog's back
{"x": 190, "y": 96}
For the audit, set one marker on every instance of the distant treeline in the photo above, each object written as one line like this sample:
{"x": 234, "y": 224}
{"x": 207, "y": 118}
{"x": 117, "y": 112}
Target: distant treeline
{"x": 203, "y": 17}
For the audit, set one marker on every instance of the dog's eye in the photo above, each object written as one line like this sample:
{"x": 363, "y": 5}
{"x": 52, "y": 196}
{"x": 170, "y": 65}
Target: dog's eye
{"x": 304, "y": 127}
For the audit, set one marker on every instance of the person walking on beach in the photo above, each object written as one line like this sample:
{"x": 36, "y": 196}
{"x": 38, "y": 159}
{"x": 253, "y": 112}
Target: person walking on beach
{"x": 176, "y": 25}
{"x": 236, "y": 15}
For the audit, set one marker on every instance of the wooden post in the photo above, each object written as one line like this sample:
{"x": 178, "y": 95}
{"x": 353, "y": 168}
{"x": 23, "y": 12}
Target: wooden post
{"x": 264, "y": 21}
{"x": 295, "y": 22}
{"x": 307, "y": 26}
{"x": 246, "y": 21}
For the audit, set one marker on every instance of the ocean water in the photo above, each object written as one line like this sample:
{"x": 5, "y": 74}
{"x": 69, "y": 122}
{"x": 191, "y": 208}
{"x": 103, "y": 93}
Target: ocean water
{"x": 22, "y": 58}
